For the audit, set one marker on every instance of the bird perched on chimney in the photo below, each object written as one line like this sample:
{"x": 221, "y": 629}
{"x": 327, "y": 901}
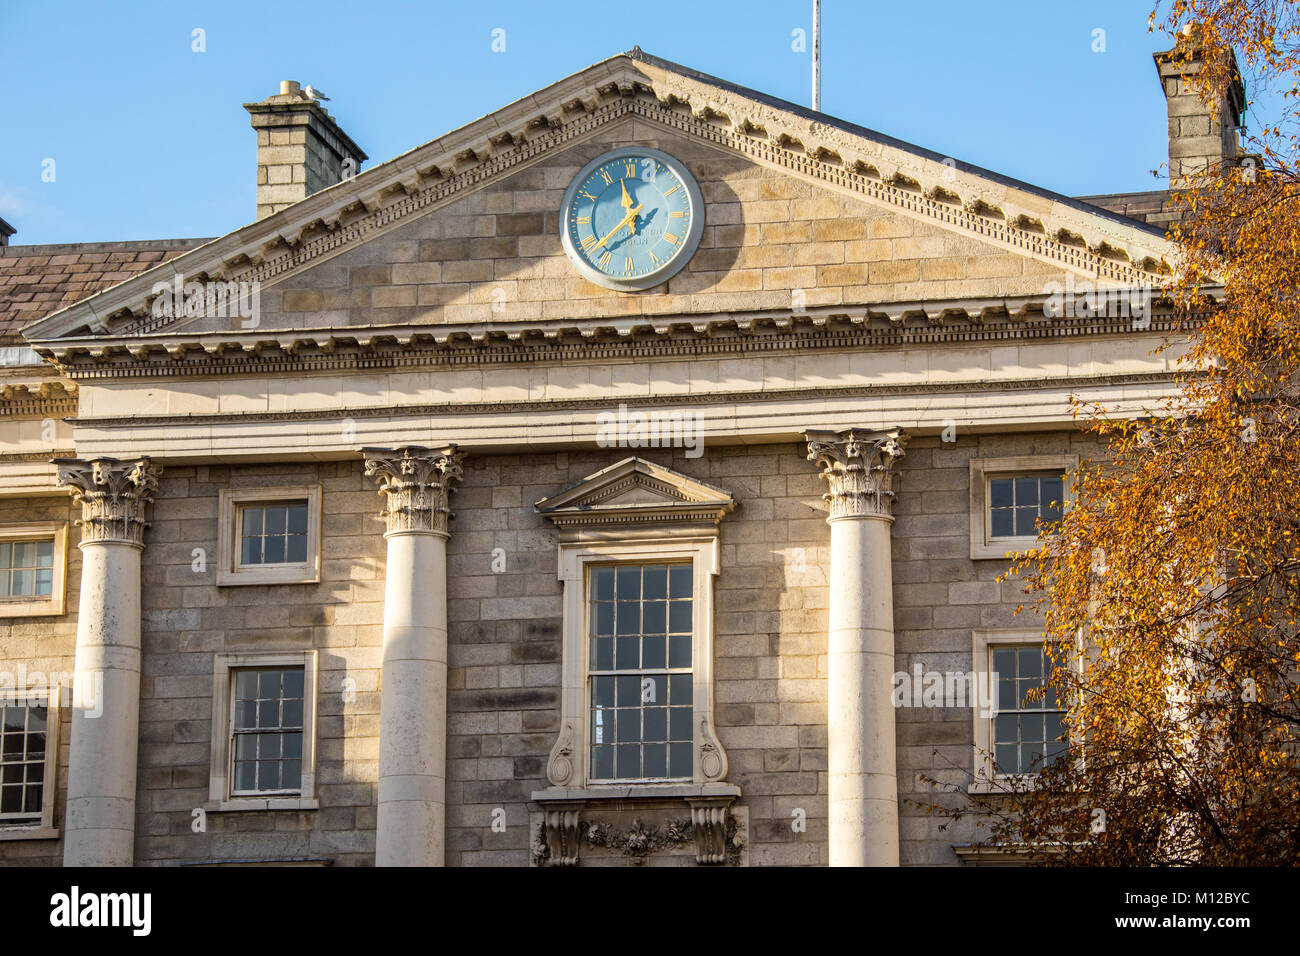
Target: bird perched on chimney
{"x": 314, "y": 94}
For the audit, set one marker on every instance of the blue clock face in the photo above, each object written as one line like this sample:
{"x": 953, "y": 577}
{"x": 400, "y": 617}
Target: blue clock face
{"x": 632, "y": 218}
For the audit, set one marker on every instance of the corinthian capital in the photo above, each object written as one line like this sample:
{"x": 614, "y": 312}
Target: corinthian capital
{"x": 859, "y": 465}
{"x": 417, "y": 483}
{"x": 113, "y": 495}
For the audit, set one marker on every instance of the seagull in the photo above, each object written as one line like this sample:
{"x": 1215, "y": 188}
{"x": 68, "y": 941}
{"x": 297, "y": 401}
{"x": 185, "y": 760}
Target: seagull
{"x": 314, "y": 94}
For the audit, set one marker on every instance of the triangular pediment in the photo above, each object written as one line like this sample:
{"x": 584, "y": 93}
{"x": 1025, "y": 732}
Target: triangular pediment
{"x": 989, "y": 213}
{"x": 636, "y": 492}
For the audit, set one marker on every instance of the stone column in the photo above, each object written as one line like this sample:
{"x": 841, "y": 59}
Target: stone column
{"x": 861, "y": 760}
{"x": 100, "y": 824}
{"x": 416, "y": 483}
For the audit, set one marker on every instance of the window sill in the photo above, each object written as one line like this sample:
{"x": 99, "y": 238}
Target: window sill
{"x": 238, "y": 804}
{"x": 640, "y": 791}
{"x": 29, "y": 833}
{"x": 30, "y": 609}
{"x": 1000, "y": 548}
{"x": 269, "y": 575}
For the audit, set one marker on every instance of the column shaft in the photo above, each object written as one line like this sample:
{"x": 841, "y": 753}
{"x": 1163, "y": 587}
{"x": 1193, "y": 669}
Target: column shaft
{"x": 863, "y": 801}
{"x": 413, "y": 704}
{"x": 100, "y": 823}
{"x": 861, "y": 745}
{"x": 410, "y": 828}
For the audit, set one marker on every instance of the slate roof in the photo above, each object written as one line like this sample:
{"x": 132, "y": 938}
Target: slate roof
{"x": 38, "y": 280}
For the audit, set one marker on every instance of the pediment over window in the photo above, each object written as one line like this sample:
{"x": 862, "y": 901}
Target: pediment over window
{"x": 635, "y": 492}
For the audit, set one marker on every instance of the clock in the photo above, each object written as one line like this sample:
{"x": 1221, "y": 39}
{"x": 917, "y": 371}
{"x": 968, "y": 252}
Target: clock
{"x": 631, "y": 218}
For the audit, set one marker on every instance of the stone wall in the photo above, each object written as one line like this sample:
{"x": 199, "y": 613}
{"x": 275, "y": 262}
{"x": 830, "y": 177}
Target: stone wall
{"x": 505, "y": 648}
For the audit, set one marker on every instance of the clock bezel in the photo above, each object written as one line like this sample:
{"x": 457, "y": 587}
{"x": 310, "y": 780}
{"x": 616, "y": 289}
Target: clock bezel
{"x": 689, "y": 242}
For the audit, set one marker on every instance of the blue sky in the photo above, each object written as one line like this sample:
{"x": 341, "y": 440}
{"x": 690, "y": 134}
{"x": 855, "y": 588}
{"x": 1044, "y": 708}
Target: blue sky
{"x": 149, "y": 139}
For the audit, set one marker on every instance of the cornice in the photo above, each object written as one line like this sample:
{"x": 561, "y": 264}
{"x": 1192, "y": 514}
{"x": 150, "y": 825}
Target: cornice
{"x": 887, "y": 173}
{"x": 46, "y": 400}
{"x": 603, "y": 403}
{"x": 897, "y": 325}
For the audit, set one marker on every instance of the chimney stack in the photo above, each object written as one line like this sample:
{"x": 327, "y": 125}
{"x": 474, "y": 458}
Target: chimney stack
{"x": 6, "y": 231}
{"x": 300, "y": 149}
{"x": 1201, "y": 136}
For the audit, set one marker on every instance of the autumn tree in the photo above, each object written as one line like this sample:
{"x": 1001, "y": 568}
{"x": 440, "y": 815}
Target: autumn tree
{"x": 1170, "y": 591}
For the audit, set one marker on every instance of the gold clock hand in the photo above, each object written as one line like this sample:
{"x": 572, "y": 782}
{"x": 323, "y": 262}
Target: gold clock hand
{"x": 627, "y": 204}
{"x": 631, "y": 214}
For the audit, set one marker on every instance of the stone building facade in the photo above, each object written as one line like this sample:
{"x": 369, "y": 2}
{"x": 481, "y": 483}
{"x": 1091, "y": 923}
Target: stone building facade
{"x": 340, "y": 551}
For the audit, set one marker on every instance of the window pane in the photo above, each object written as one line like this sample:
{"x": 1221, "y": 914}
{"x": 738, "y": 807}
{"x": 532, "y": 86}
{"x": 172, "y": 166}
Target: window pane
{"x": 45, "y": 553}
{"x": 292, "y": 745}
{"x": 680, "y": 689}
{"x": 603, "y": 691}
{"x": 679, "y": 581}
{"x": 628, "y": 761}
{"x": 1003, "y": 523}
{"x": 654, "y": 689}
{"x": 1025, "y": 518}
{"x": 268, "y": 775}
{"x": 602, "y": 762}
{"x": 245, "y": 746}
{"x": 6, "y": 552}
{"x": 44, "y": 582}
{"x": 1007, "y": 759}
{"x": 627, "y": 728}
{"x": 291, "y": 775}
{"x": 250, "y": 551}
{"x": 24, "y": 583}
{"x": 654, "y": 652}
{"x": 252, "y": 522}
{"x": 656, "y": 723}
{"x": 656, "y": 583}
{"x": 296, "y": 549}
{"x": 1005, "y": 729}
{"x": 679, "y": 723}
{"x": 629, "y": 691}
{"x": 656, "y": 760}
{"x": 679, "y": 650}
{"x": 1000, "y": 493}
{"x": 245, "y": 714}
{"x": 273, "y": 550}
{"x": 679, "y": 760}
{"x": 11, "y": 799}
{"x": 602, "y": 653}
{"x": 1031, "y": 662}
{"x": 603, "y": 619}
{"x": 24, "y": 554}
{"x": 1026, "y": 491}
{"x": 655, "y": 618}
{"x": 276, "y": 520}
{"x": 15, "y": 718}
{"x": 245, "y": 775}
{"x": 602, "y": 581}
{"x": 679, "y": 617}
{"x": 629, "y": 618}
{"x": 629, "y": 584}
{"x": 627, "y": 653}
{"x": 298, "y": 519}
{"x": 292, "y": 713}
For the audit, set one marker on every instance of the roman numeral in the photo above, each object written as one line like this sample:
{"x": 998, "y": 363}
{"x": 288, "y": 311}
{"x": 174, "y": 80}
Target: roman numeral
{"x": 583, "y": 192}
{"x": 604, "y": 260}
{"x": 669, "y": 237}
{"x": 588, "y": 242}
{"x": 672, "y": 215}
{"x": 631, "y": 170}
{"x": 673, "y": 190}
{"x": 584, "y": 220}
{"x": 627, "y": 265}
{"x": 604, "y": 174}
{"x": 654, "y": 258}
